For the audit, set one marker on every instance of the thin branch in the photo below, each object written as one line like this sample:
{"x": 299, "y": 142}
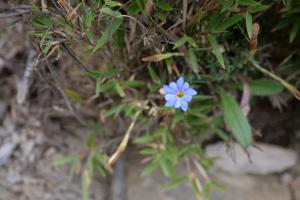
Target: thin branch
{"x": 73, "y": 55}
{"x": 64, "y": 95}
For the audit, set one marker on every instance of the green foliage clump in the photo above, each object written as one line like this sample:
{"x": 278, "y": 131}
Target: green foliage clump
{"x": 219, "y": 46}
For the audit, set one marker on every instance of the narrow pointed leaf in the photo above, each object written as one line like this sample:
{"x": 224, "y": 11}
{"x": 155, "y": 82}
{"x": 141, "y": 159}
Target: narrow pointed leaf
{"x": 248, "y": 19}
{"x": 216, "y": 50}
{"x": 236, "y": 121}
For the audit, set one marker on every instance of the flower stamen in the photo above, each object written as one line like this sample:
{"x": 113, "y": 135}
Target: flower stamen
{"x": 180, "y": 94}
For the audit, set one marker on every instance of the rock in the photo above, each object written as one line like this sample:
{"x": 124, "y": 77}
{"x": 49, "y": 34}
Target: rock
{"x": 2, "y": 132}
{"x": 6, "y": 194}
{"x": 50, "y": 152}
{"x": 8, "y": 124}
{"x": 265, "y": 160}
{"x": 295, "y": 187}
{"x": 27, "y": 147}
{"x": 250, "y": 187}
{"x": 286, "y": 178}
{"x": 2, "y": 63}
{"x": 152, "y": 186}
{"x": 13, "y": 176}
{"x": 3, "y": 108}
{"x": 6, "y": 151}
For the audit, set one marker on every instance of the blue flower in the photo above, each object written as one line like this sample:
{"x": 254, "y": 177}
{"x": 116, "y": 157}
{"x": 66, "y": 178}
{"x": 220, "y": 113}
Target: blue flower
{"x": 178, "y": 94}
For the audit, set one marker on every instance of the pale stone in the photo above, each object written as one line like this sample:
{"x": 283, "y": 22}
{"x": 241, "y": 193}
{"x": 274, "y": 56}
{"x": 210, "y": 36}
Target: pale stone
{"x": 250, "y": 187}
{"x": 296, "y": 188}
{"x": 263, "y": 160}
{"x": 152, "y": 186}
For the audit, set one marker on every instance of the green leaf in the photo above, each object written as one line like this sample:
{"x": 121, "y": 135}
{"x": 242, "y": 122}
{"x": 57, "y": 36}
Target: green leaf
{"x": 183, "y": 40}
{"x": 258, "y": 8}
{"x": 134, "y": 83}
{"x": 109, "y": 86}
{"x": 227, "y": 23}
{"x": 163, "y": 5}
{"x": 143, "y": 139}
{"x": 161, "y": 15}
{"x": 85, "y": 184}
{"x": 216, "y": 50}
{"x": 180, "y": 42}
{"x": 248, "y": 19}
{"x": 114, "y": 110}
{"x": 175, "y": 182}
{"x": 110, "y": 30}
{"x": 167, "y": 167}
{"x": 90, "y": 35}
{"x": 111, "y": 12}
{"x": 226, "y": 5}
{"x": 264, "y": 87}
{"x": 91, "y": 140}
{"x": 94, "y": 74}
{"x": 193, "y": 60}
{"x": 112, "y": 3}
{"x": 248, "y": 2}
{"x": 90, "y": 163}
{"x": 42, "y": 22}
{"x": 294, "y": 31}
{"x": 119, "y": 90}
{"x": 65, "y": 160}
{"x": 148, "y": 151}
{"x": 152, "y": 166}
{"x": 119, "y": 39}
{"x": 35, "y": 9}
{"x": 153, "y": 75}
{"x": 88, "y": 19}
{"x": 214, "y": 20}
{"x": 73, "y": 95}
{"x": 134, "y": 8}
{"x": 236, "y": 121}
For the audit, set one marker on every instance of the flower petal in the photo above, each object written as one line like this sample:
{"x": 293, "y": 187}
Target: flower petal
{"x": 184, "y": 105}
{"x": 188, "y": 98}
{"x": 170, "y": 97}
{"x": 169, "y": 90}
{"x": 186, "y": 85}
{"x": 190, "y": 91}
{"x": 178, "y": 103}
{"x": 173, "y": 86}
{"x": 170, "y": 103}
{"x": 179, "y": 83}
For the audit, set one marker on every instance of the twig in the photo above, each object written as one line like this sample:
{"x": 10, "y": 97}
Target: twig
{"x": 61, "y": 90}
{"x": 72, "y": 54}
{"x": 184, "y": 12}
{"x": 24, "y": 84}
{"x": 244, "y": 104}
{"x": 14, "y": 14}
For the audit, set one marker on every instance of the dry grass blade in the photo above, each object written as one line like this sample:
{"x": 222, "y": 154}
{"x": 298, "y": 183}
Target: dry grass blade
{"x": 122, "y": 146}
{"x": 73, "y": 12}
{"x": 245, "y": 97}
{"x": 184, "y": 12}
{"x": 253, "y": 40}
{"x": 287, "y": 85}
